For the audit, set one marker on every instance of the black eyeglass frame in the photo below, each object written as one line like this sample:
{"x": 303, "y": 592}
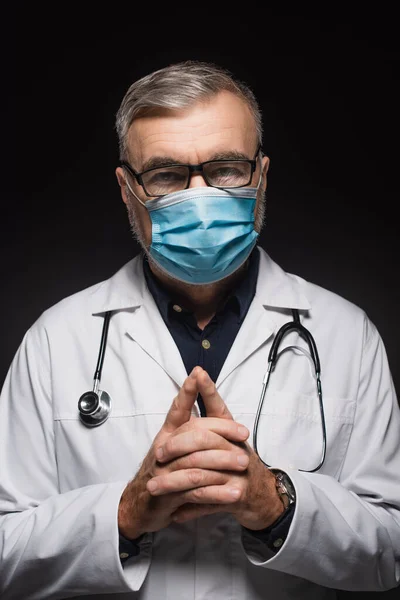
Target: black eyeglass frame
{"x": 194, "y": 169}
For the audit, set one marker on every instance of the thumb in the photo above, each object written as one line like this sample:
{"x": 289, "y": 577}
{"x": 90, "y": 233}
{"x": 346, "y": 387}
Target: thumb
{"x": 182, "y": 404}
{"x": 213, "y": 402}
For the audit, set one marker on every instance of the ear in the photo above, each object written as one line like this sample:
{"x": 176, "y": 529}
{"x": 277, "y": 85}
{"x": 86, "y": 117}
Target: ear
{"x": 122, "y": 183}
{"x": 265, "y": 166}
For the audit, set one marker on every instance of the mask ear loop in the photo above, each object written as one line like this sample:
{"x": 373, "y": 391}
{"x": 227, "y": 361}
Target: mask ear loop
{"x": 260, "y": 156}
{"x": 131, "y": 190}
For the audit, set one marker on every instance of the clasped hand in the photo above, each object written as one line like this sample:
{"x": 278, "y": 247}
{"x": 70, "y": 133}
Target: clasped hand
{"x": 199, "y": 466}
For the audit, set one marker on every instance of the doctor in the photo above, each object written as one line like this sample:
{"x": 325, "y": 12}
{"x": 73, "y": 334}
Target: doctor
{"x": 167, "y": 498}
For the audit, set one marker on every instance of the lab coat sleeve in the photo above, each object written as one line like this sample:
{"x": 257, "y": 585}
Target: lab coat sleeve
{"x": 346, "y": 532}
{"x": 52, "y": 545}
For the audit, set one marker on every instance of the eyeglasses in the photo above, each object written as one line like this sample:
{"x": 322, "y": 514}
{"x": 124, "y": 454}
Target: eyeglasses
{"x": 160, "y": 181}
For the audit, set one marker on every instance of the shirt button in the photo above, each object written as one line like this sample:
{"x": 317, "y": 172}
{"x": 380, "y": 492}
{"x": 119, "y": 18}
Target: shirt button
{"x": 206, "y": 344}
{"x": 124, "y": 555}
{"x": 278, "y": 543}
{"x": 177, "y": 308}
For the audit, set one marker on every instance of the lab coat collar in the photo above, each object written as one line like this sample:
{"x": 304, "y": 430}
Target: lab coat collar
{"x": 128, "y": 289}
{"x": 278, "y": 289}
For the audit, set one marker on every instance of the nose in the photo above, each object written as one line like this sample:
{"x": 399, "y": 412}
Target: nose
{"x": 197, "y": 180}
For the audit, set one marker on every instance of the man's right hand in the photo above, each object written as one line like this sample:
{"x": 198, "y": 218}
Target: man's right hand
{"x": 140, "y": 512}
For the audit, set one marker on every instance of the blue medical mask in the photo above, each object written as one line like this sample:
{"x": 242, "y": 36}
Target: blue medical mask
{"x": 203, "y": 234}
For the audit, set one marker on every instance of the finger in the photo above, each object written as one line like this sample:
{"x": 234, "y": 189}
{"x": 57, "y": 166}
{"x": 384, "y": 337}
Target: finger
{"x": 227, "y": 428}
{"x": 218, "y": 460}
{"x": 183, "y": 480}
{"x": 182, "y": 404}
{"x": 212, "y": 494}
{"x": 195, "y": 439}
{"x": 188, "y": 512}
{"x": 213, "y": 402}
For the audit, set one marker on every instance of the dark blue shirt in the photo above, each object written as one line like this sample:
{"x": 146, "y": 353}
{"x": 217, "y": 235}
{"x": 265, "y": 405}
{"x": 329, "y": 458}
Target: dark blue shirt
{"x": 209, "y": 347}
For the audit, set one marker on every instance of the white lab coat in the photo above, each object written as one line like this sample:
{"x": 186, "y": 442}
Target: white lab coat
{"x": 60, "y": 482}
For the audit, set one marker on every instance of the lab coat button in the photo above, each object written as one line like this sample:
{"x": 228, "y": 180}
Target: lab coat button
{"x": 206, "y": 344}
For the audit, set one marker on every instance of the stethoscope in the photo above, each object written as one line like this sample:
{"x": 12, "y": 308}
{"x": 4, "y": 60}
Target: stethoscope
{"x": 95, "y": 406}
{"x": 273, "y": 356}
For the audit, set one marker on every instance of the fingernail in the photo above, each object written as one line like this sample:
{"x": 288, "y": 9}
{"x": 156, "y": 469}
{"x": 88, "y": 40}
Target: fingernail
{"x": 242, "y": 460}
{"x": 159, "y": 453}
{"x": 243, "y": 431}
{"x": 152, "y": 486}
{"x": 235, "y": 492}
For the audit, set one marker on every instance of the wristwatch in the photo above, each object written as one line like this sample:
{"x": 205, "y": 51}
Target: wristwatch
{"x": 275, "y": 535}
{"x": 285, "y": 488}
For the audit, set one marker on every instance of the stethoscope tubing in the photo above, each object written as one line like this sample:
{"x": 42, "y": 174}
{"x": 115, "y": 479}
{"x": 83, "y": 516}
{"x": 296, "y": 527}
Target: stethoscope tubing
{"x": 102, "y": 351}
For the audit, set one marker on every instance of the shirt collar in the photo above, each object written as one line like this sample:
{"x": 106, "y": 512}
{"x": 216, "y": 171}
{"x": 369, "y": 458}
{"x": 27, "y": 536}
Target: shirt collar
{"x": 239, "y": 300}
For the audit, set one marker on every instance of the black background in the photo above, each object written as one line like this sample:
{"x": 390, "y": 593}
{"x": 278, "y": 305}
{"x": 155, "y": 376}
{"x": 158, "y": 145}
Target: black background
{"x": 328, "y": 85}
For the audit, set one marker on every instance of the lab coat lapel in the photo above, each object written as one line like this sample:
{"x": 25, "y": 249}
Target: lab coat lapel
{"x": 256, "y": 329}
{"x": 127, "y": 292}
{"x": 147, "y": 328}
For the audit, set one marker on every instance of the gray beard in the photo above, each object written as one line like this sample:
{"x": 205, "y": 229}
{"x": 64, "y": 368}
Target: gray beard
{"x": 137, "y": 233}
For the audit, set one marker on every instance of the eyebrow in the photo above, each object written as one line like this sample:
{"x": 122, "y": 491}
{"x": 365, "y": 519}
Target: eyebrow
{"x": 163, "y": 161}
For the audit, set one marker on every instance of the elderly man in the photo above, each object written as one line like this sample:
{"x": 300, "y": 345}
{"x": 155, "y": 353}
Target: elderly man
{"x": 191, "y": 469}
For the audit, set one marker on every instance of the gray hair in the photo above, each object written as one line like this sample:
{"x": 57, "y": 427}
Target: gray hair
{"x": 178, "y": 86}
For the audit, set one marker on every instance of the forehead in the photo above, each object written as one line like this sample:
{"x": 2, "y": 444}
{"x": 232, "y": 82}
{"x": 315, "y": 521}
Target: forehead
{"x": 221, "y": 123}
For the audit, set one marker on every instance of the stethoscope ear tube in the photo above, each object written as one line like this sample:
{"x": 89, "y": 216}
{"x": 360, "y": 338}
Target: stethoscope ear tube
{"x": 102, "y": 349}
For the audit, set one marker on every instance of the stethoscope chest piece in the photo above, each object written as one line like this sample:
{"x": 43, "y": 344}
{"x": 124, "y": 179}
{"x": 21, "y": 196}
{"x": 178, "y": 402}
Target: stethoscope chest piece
{"x": 94, "y": 408}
